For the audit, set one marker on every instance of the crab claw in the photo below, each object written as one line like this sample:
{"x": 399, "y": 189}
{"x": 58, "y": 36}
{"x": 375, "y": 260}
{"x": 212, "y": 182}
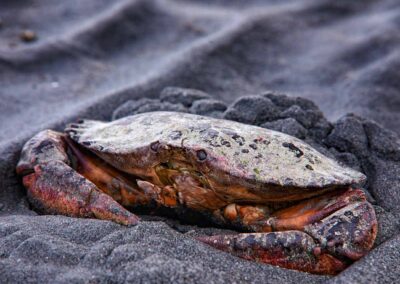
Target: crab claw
{"x": 54, "y": 187}
{"x": 325, "y": 246}
{"x": 348, "y": 233}
{"x": 289, "y": 249}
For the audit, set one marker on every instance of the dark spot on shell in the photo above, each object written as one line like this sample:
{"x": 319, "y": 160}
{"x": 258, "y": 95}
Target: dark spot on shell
{"x": 154, "y": 146}
{"x": 86, "y": 143}
{"x": 315, "y": 159}
{"x": 73, "y": 126}
{"x": 245, "y": 150}
{"x": 80, "y": 121}
{"x": 175, "y": 135}
{"x": 289, "y": 182}
{"x": 238, "y": 139}
{"x": 253, "y": 146}
{"x": 293, "y": 148}
{"x": 212, "y": 143}
{"x": 259, "y": 156}
{"x": 309, "y": 167}
{"x": 201, "y": 155}
{"x": 225, "y": 143}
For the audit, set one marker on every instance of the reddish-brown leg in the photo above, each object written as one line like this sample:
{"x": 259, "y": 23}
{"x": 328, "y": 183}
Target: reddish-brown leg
{"x": 184, "y": 191}
{"x": 321, "y": 235}
{"x": 120, "y": 186}
{"x": 290, "y": 249}
{"x": 126, "y": 189}
{"x": 56, "y": 188}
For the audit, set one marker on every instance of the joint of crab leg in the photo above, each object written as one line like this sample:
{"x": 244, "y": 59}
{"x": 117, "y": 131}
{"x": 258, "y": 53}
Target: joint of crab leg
{"x": 165, "y": 196}
{"x": 312, "y": 210}
{"x": 290, "y": 249}
{"x": 230, "y": 212}
{"x": 151, "y": 190}
{"x": 45, "y": 146}
{"x": 251, "y": 217}
{"x": 258, "y": 218}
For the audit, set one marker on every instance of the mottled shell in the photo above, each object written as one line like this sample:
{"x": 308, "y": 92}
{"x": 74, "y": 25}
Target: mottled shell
{"x": 259, "y": 155}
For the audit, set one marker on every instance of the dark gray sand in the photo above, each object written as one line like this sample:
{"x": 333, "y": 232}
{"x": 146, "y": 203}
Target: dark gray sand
{"x": 60, "y": 61}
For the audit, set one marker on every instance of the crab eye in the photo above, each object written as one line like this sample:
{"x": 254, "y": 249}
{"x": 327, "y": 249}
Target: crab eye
{"x": 201, "y": 155}
{"x": 154, "y": 146}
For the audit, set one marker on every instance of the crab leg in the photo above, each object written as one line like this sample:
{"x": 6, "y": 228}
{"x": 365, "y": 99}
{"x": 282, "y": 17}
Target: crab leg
{"x": 54, "y": 187}
{"x": 312, "y": 210}
{"x": 324, "y": 246}
{"x": 109, "y": 180}
{"x": 290, "y": 249}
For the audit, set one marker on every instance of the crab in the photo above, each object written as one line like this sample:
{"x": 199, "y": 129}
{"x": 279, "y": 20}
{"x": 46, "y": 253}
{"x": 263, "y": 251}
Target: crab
{"x": 295, "y": 207}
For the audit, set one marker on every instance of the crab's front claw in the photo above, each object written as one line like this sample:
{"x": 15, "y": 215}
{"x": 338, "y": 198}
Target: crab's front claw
{"x": 290, "y": 249}
{"x": 325, "y": 246}
{"x": 348, "y": 233}
{"x": 54, "y": 187}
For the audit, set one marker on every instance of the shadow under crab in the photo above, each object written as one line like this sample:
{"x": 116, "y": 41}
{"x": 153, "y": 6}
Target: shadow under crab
{"x": 299, "y": 205}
